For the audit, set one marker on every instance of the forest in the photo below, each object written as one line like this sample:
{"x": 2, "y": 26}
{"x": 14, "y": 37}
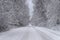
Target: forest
{"x": 15, "y": 13}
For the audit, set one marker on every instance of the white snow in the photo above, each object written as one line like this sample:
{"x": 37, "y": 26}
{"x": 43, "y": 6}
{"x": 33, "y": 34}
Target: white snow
{"x": 30, "y": 33}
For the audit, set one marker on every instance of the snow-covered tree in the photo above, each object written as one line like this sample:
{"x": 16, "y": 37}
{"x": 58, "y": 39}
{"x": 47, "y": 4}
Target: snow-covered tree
{"x": 21, "y": 12}
{"x": 46, "y": 13}
{"x": 39, "y": 17}
{"x": 5, "y": 7}
{"x": 52, "y": 13}
{"x": 13, "y": 12}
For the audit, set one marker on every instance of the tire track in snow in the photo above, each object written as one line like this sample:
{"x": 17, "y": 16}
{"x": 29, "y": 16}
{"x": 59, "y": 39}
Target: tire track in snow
{"x": 44, "y": 32}
{"x": 43, "y": 35}
{"x": 16, "y": 34}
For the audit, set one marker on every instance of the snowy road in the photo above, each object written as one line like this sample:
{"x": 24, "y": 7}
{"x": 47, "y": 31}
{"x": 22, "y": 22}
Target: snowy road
{"x": 30, "y": 33}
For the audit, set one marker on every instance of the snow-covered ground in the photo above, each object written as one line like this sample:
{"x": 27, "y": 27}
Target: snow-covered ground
{"x": 30, "y": 33}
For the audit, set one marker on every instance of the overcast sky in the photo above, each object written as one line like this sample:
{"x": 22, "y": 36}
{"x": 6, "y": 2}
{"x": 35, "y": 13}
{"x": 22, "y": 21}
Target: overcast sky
{"x": 30, "y": 4}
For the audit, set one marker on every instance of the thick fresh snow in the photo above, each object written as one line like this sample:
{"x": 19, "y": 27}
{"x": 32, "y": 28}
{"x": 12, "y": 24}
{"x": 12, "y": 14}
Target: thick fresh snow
{"x": 30, "y": 33}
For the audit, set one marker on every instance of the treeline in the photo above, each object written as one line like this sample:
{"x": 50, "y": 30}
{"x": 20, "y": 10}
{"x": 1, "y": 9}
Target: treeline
{"x": 13, "y": 13}
{"x": 46, "y": 13}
